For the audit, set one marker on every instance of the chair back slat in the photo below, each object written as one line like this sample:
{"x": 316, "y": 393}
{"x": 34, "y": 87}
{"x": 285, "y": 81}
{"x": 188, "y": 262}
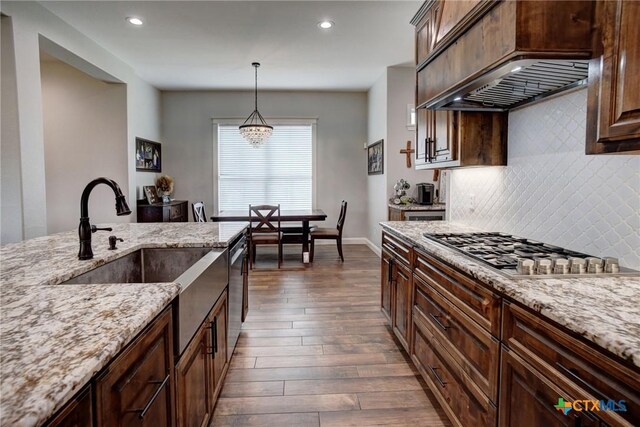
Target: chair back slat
{"x": 342, "y": 217}
{"x": 198, "y": 212}
{"x": 264, "y": 215}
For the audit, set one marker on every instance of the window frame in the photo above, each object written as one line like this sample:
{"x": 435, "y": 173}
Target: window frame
{"x": 313, "y": 122}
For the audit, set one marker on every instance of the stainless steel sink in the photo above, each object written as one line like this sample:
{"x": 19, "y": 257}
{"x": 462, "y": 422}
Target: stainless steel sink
{"x": 144, "y": 266}
{"x": 201, "y": 272}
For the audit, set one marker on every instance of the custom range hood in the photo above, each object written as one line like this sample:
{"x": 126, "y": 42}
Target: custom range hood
{"x": 503, "y": 54}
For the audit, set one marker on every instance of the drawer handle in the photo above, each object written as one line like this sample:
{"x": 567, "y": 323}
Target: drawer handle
{"x": 572, "y": 374}
{"x": 435, "y": 374}
{"x": 146, "y": 408}
{"x": 437, "y": 320}
{"x": 214, "y": 336}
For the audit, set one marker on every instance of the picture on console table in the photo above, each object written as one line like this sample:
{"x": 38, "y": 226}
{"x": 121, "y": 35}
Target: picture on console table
{"x": 151, "y": 194}
{"x": 375, "y": 158}
{"x": 148, "y": 156}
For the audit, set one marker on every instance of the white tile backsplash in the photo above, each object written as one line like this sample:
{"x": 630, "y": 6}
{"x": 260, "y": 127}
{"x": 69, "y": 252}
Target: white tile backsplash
{"x": 551, "y": 191}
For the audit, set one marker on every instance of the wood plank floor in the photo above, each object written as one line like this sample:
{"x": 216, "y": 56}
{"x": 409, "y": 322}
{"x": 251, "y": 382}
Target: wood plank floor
{"x": 316, "y": 351}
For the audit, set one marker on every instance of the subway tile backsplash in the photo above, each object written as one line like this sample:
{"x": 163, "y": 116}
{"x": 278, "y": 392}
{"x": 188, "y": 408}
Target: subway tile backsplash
{"x": 551, "y": 190}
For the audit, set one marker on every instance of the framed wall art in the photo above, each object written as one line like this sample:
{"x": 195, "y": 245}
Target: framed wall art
{"x": 375, "y": 158}
{"x": 148, "y": 156}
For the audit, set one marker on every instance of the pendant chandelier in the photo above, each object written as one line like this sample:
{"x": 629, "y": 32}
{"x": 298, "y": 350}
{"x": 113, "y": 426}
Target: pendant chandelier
{"x": 255, "y": 129}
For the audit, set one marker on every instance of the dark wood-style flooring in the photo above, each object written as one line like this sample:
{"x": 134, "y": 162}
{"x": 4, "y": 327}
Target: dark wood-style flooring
{"x": 316, "y": 351}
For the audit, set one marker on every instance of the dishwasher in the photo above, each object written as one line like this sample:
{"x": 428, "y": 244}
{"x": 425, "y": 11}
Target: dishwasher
{"x": 237, "y": 270}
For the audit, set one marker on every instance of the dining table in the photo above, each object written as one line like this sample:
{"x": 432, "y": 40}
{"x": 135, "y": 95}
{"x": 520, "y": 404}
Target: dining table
{"x": 305, "y": 216}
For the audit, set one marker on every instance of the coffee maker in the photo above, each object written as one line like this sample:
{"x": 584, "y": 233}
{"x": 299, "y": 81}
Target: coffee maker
{"x": 425, "y": 193}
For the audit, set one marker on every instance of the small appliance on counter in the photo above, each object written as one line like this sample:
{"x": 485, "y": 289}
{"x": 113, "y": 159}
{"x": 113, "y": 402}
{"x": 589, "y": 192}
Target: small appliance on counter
{"x": 425, "y": 193}
{"x": 520, "y": 257}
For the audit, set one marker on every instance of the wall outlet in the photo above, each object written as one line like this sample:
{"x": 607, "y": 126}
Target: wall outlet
{"x": 472, "y": 202}
{"x": 305, "y": 257}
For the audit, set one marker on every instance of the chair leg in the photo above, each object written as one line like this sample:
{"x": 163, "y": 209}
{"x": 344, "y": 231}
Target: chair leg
{"x": 253, "y": 255}
{"x": 279, "y": 253}
{"x": 339, "y": 243}
{"x": 313, "y": 244}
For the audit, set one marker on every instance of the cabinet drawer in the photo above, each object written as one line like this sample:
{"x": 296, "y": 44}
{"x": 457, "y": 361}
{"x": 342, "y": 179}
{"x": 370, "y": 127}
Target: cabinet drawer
{"x": 137, "y": 387}
{"x": 399, "y": 250}
{"x": 458, "y": 395}
{"x": 175, "y": 213}
{"x": 475, "y": 300}
{"x": 78, "y": 412}
{"x": 473, "y": 348}
{"x": 581, "y": 370}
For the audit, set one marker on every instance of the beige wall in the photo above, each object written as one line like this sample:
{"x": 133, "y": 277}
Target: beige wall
{"x": 85, "y": 137}
{"x": 340, "y": 158}
{"x": 31, "y": 25}
{"x": 10, "y": 179}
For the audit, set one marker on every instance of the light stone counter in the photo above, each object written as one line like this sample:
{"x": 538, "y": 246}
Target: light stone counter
{"x": 54, "y": 338}
{"x": 604, "y": 310}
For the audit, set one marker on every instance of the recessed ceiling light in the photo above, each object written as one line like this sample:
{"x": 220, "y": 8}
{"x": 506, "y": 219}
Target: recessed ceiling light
{"x": 134, "y": 21}
{"x": 516, "y": 69}
{"x": 325, "y": 25}
{"x": 457, "y": 98}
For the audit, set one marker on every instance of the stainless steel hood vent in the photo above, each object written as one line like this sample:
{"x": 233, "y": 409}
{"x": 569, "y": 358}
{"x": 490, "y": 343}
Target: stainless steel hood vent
{"x": 517, "y": 83}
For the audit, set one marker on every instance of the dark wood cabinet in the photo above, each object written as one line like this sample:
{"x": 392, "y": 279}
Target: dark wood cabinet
{"x": 401, "y": 312}
{"x": 460, "y": 138}
{"x": 528, "y": 399}
{"x": 396, "y": 287}
{"x": 136, "y": 389}
{"x": 193, "y": 382}
{"x": 218, "y": 350}
{"x": 77, "y": 413}
{"x": 175, "y": 211}
{"x": 613, "y": 109}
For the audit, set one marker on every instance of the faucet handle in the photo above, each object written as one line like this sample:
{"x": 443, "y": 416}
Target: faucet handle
{"x": 94, "y": 229}
{"x": 112, "y": 242}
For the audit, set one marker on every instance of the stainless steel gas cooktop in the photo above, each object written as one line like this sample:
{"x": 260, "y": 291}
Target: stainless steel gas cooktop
{"x": 517, "y": 256}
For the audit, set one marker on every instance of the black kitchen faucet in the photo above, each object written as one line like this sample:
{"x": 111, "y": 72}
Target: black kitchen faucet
{"x": 85, "y": 229}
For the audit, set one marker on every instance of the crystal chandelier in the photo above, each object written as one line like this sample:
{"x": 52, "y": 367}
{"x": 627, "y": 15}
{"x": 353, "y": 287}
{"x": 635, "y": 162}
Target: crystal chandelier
{"x": 255, "y": 129}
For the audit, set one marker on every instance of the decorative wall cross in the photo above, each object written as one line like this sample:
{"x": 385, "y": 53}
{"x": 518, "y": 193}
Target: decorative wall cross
{"x": 408, "y": 151}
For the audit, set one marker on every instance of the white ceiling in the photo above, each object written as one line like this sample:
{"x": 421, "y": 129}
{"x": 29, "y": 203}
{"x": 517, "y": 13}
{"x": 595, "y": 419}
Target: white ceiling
{"x": 211, "y": 44}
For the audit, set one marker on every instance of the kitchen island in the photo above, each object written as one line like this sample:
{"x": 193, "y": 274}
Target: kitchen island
{"x": 495, "y": 347}
{"x": 54, "y": 338}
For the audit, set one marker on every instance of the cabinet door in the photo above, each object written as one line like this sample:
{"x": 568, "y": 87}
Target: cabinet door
{"x": 528, "y": 399}
{"x": 444, "y": 136}
{"x": 77, "y": 413}
{"x": 386, "y": 280}
{"x": 192, "y": 382}
{"x": 136, "y": 389}
{"x": 424, "y": 38}
{"x": 402, "y": 299}
{"x": 421, "y": 136}
{"x": 218, "y": 350}
{"x": 613, "y": 122}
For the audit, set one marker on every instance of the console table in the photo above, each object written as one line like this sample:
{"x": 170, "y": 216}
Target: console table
{"x": 174, "y": 211}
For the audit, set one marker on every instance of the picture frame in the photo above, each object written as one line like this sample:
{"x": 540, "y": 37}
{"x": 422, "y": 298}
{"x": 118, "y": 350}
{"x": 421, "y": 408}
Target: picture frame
{"x": 148, "y": 156}
{"x": 375, "y": 158}
{"x": 151, "y": 194}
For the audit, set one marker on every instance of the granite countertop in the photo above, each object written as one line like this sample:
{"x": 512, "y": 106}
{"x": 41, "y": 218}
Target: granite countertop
{"x": 53, "y": 337}
{"x": 604, "y": 310}
{"x": 417, "y": 207}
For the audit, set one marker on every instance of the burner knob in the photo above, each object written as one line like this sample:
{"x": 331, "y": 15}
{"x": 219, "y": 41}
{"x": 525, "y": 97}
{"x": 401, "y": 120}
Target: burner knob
{"x": 525, "y": 266}
{"x": 594, "y": 265}
{"x": 578, "y": 265}
{"x": 561, "y": 266}
{"x": 611, "y": 265}
{"x": 544, "y": 266}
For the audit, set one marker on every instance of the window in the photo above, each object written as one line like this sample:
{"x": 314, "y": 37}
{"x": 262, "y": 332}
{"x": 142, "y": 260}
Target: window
{"x": 278, "y": 172}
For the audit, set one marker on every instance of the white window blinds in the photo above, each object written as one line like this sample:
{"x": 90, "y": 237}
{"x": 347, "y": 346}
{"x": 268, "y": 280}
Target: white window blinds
{"x": 278, "y": 172}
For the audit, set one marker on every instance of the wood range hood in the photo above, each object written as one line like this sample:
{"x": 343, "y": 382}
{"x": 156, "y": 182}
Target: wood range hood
{"x": 487, "y": 55}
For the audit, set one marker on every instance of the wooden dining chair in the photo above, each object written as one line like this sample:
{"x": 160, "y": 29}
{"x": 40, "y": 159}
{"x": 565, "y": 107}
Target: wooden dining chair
{"x": 330, "y": 233}
{"x": 267, "y": 231}
{"x": 198, "y": 212}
